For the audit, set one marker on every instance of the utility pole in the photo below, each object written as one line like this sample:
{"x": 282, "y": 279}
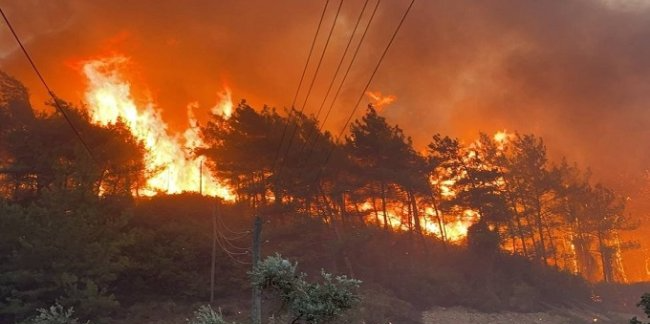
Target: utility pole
{"x": 256, "y": 307}
{"x": 214, "y": 249}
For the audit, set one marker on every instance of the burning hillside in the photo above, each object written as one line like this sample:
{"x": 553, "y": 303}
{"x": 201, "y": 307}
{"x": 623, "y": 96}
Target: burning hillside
{"x": 172, "y": 164}
{"x": 455, "y": 153}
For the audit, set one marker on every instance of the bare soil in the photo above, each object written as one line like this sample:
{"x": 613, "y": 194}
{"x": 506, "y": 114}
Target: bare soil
{"x": 459, "y": 315}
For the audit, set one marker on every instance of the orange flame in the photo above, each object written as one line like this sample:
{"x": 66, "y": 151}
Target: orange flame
{"x": 501, "y": 136}
{"x": 378, "y": 100}
{"x": 454, "y": 231}
{"x": 224, "y": 106}
{"x": 170, "y": 161}
{"x": 502, "y": 139}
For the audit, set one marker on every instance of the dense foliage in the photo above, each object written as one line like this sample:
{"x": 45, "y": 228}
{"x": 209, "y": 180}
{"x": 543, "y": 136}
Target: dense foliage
{"x": 306, "y": 302}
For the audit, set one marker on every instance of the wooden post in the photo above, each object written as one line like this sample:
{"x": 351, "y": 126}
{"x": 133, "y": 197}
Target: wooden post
{"x": 256, "y": 307}
{"x": 214, "y": 250}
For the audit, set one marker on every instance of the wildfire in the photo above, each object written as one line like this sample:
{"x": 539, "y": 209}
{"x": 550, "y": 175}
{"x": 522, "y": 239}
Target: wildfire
{"x": 445, "y": 186}
{"x": 454, "y": 231}
{"x": 224, "y": 106}
{"x": 378, "y": 100}
{"x": 502, "y": 137}
{"x": 173, "y": 168}
{"x": 170, "y": 161}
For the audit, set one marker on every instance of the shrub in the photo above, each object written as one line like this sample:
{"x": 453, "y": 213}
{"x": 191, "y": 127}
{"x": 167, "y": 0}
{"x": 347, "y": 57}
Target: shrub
{"x": 207, "y": 315}
{"x": 60, "y": 249}
{"x": 54, "y": 315}
{"x": 310, "y": 302}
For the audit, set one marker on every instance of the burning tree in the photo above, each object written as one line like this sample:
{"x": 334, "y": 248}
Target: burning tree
{"x": 41, "y": 152}
{"x": 388, "y": 166}
{"x": 247, "y": 150}
{"x": 502, "y": 184}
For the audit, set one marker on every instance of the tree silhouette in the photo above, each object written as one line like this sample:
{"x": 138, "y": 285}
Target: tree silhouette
{"x": 381, "y": 152}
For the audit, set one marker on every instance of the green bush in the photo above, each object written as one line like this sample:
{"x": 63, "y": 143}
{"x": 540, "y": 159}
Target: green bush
{"x": 63, "y": 249}
{"x": 207, "y": 315}
{"x": 54, "y": 315}
{"x": 310, "y": 302}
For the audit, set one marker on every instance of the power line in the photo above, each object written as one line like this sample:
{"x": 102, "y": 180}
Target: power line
{"x": 311, "y": 50}
{"x": 347, "y": 72}
{"x": 336, "y": 72}
{"x": 381, "y": 59}
{"x": 320, "y": 60}
{"x": 232, "y": 255}
{"x": 229, "y": 241}
{"x": 216, "y": 240}
{"x": 311, "y": 85}
{"x": 238, "y": 250}
{"x": 345, "y": 76}
{"x": 374, "y": 72}
{"x": 222, "y": 242}
{"x": 219, "y": 227}
{"x": 302, "y": 77}
{"x": 236, "y": 233}
{"x": 50, "y": 92}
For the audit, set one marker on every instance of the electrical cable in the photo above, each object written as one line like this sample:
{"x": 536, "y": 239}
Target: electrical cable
{"x": 49, "y": 90}
{"x": 365, "y": 89}
{"x": 302, "y": 77}
{"x": 345, "y": 76}
{"x": 336, "y": 72}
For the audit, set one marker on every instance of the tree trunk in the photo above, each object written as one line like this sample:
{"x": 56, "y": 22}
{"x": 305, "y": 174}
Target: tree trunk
{"x": 552, "y": 246}
{"x": 530, "y": 225}
{"x": 374, "y": 208}
{"x": 540, "y": 230}
{"x": 520, "y": 230}
{"x": 329, "y": 215}
{"x": 409, "y": 209}
{"x": 344, "y": 211}
{"x": 416, "y": 216}
{"x": 358, "y": 213}
{"x": 263, "y": 187}
{"x": 346, "y": 260}
{"x": 383, "y": 205}
{"x": 441, "y": 224}
{"x": 603, "y": 257}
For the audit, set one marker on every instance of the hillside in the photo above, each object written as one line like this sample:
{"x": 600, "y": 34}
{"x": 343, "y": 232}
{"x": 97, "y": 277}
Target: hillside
{"x": 404, "y": 275}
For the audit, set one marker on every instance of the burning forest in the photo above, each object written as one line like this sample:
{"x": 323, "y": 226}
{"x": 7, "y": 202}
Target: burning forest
{"x": 152, "y": 171}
